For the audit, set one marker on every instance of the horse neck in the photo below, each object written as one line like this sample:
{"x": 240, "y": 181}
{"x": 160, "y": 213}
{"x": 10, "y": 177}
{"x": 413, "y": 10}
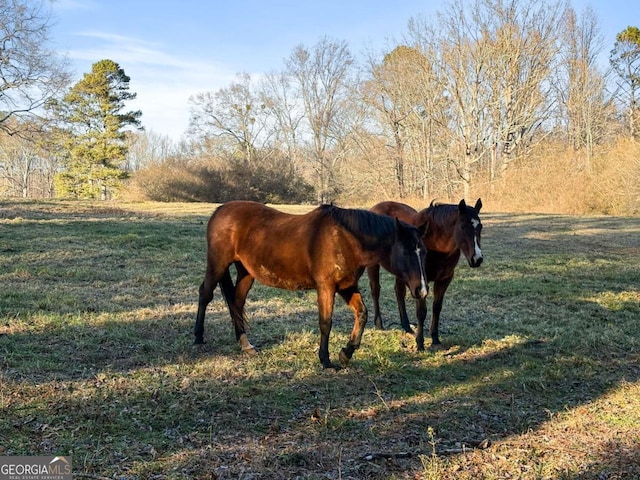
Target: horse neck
{"x": 370, "y": 252}
{"x": 440, "y": 236}
{"x": 373, "y": 233}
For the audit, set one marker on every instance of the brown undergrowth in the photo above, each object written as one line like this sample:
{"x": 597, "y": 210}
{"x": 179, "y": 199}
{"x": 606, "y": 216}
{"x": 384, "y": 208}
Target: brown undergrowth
{"x": 554, "y": 180}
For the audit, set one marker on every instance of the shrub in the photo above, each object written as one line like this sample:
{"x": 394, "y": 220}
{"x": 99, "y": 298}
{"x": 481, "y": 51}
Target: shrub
{"x": 273, "y": 182}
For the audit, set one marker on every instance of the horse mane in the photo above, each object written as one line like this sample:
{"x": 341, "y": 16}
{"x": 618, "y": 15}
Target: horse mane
{"x": 441, "y": 213}
{"x": 369, "y": 228}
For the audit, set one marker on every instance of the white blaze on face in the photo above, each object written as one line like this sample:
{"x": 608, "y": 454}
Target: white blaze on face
{"x": 477, "y": 255}
{"x": 423, "y": 282}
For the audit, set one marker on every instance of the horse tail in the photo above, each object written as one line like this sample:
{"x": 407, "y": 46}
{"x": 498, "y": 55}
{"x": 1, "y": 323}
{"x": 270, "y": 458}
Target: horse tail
{"x": 229, "y": 293}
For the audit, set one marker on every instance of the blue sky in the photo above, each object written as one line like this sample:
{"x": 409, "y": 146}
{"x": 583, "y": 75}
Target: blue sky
{"x": 174, "y": 49}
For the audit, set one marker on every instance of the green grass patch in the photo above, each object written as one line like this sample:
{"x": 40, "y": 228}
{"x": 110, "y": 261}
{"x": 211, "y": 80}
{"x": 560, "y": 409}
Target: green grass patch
{"x": 539, "y": 377}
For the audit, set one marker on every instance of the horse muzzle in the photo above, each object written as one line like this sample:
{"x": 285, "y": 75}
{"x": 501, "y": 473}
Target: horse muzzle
{"x": 475, "y": 262}
{"x": 420, "y": 292}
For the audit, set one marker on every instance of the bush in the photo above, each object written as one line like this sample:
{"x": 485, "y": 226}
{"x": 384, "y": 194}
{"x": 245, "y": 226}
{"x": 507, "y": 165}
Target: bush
{"x": 275, "y": 181}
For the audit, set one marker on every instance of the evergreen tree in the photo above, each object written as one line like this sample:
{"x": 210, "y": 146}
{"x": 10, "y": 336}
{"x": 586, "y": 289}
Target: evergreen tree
{"x": 625, "y": 60}
{"x": 94, "y": 136}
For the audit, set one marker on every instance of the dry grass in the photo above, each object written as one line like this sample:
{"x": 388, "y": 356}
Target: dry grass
{"x": 556, "y": 180}
{"x": 539, "y": 378}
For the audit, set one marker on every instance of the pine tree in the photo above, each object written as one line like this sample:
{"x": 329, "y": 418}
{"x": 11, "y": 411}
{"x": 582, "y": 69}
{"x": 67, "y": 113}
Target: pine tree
{"x": 90, "y": 116}
{"x": 625, "y": 60}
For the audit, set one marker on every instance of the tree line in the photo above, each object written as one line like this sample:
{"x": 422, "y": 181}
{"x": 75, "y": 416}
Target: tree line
{"x": 468, "y": 101}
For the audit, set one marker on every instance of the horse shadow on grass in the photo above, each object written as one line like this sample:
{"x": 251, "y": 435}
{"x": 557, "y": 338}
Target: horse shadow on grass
{"x": 250, "y": 420}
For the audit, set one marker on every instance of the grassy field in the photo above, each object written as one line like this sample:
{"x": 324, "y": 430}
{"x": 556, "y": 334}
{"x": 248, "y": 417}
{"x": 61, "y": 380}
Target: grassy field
{"x": 539, "y": 378}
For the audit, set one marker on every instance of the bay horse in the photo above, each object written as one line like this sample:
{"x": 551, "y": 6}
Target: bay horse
{"x": 451, "y": 229}
{"x": 326, "y": 249}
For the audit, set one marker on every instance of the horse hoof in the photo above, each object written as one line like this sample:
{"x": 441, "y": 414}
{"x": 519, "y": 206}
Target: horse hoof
{"x": 436, "y": 347}
{"x": 250, "y": 350}
{"x": 199, "y": 341}
{"x": 410, "y": 337}
{"x": 344, "y": 358}
{"x": 331, "y": 366}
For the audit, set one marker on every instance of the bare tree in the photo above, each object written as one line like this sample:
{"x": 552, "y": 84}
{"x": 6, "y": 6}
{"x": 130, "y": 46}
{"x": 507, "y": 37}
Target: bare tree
{"x": 30, "y": 72}
{"x": 234, "y": 114}
{"x": 27, "y": 166}
{"x": 146, "y": 148}
{"x": 387, "y": 93}
{"x": 285, "y": 114}
{"x": 581, "y": 89}
{"x": 322, "y": 80}
{"x": 495, "y": 58}
{"x": 524, "y": 41}
{"x": 408, "y": 99}
{"x": 18, "y": 163}
{"x": 464, "y": 62}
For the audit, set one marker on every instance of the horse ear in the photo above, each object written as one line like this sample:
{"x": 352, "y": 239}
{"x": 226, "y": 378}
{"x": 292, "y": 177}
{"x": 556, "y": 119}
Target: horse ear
{"x": 462, "y": 206}
{"x": 478, "y": 205}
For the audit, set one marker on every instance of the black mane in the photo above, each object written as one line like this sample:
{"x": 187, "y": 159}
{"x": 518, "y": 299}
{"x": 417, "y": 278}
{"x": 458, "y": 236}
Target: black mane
{"x": 442, "y": 213}
{"x": 371, "y": 229}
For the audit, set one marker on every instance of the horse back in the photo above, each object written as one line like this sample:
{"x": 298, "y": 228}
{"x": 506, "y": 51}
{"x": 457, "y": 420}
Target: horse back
{"x": 293, "y": 252}
{"x": 401, "y": 211}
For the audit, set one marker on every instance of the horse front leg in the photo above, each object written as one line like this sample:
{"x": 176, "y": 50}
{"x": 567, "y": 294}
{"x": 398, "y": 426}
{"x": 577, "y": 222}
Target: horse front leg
{"x": 439, "y": 289}
{"x": 244, "y": 282}
{"x": 401, "y": 291}
{"x": 374, "y": 284}
{"x": 325, "y": 313}
{"x": 353, "y": 298}
{"x": 421, "y": 314}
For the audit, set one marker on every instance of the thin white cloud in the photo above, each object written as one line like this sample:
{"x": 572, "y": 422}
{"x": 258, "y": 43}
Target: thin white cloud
{"x": 163, "y": 81}
{"x": 127, "y": 48}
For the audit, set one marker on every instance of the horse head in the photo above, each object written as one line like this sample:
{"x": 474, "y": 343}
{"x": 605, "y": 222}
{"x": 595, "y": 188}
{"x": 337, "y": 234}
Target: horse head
{"x": 468, "y": 231}
{"x": 408, "y": 258}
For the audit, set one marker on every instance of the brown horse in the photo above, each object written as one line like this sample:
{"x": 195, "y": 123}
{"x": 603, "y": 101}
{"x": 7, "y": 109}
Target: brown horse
{"x": 326, "y": 249}
{"x": 452, "y": 229}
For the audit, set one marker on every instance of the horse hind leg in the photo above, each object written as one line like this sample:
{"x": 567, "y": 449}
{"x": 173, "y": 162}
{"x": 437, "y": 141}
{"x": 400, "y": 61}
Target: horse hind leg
{"x": 236, "y": 298}
{"x": 204, "y": 298}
